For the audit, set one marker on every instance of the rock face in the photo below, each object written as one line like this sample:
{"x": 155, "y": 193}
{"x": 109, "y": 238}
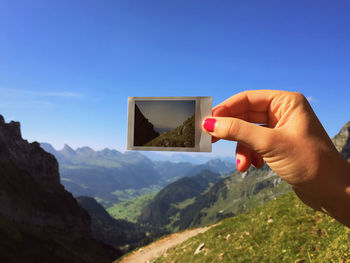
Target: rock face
{"x": 46, "y": 220}
{"x": 30, "y": 157}
{"x": 342, "y": 141}
{"x": 143, "y": 129}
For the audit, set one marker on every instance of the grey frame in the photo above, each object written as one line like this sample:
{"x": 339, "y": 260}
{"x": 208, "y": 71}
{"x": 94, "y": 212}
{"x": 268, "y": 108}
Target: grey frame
{"x": 202, "y": 139}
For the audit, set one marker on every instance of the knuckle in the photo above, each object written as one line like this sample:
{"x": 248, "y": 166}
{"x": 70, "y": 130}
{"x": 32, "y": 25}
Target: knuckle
{"x": 299, "y": 97}
{"x": 232, "y": 130}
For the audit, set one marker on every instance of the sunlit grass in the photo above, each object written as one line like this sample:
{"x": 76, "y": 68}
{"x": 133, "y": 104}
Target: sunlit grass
{"x": 284, "y": 230}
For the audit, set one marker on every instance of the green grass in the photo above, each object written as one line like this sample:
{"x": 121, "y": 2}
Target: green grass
{"x": 128, "y": 194}
{"x": 130, "y": 209}
{"x": 284, "y": 230}
{"x": 182, "y": 205}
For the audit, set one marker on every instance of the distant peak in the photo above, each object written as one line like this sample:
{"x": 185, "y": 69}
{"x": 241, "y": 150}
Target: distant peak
{"x": 342, "y": 141}
{"x": 67, "y": 150}
{"x": 85, "y": 148}
{"x": 106, "y": 150}
{"x": 67, "y": 147}
{"x": 47, "y": 147}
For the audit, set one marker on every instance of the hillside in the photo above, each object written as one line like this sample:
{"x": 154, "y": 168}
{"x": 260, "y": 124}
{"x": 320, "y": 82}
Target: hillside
{"x": 232, "y": 196}
{"x": 135, "y": 200}
{"x": 39, "y": 220}
{"x": 182, "y": 136}
{"x": 193, "y": 202}
{"x": 284, "y": 230}
{"x": 161, "y": 210}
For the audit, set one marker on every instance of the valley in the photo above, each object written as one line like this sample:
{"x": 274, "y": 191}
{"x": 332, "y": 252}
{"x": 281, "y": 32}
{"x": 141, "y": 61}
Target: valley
{"x": 111, "y": 176}
{"x": 130, "y": 209}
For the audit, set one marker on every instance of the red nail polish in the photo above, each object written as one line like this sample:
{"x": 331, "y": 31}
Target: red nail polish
{"x": 238, "y": 162}
{"x": 209, "y": 124}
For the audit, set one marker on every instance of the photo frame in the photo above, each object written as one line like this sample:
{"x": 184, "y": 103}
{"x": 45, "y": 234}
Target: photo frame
{"x": 168, "y": 124}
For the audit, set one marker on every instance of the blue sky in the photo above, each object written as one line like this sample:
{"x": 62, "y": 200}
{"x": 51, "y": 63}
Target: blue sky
{"x": 67, "y": 67}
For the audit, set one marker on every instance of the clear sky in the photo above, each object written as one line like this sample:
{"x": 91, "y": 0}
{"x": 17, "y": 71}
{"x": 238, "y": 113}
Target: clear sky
{"x": 67, "y": 67}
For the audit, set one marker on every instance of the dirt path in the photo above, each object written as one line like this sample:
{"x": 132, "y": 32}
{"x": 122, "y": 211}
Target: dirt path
{"x": 158, "y": 248}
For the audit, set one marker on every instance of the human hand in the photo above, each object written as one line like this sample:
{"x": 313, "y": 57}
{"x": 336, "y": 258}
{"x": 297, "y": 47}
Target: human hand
{"x": 291, "y": 141}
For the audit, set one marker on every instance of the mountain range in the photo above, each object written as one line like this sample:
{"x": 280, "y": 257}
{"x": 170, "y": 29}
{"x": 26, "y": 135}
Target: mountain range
{"x": 109, "y": 175}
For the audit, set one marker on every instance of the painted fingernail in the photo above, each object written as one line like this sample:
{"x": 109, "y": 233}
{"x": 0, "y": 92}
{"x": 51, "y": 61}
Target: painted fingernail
{"x": 209, "y": 124}
{"x": 238, "y": 162}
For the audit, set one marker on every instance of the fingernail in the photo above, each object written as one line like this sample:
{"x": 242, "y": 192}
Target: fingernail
{"x": 238, "y": 162}
{"x": 209, "y": 124}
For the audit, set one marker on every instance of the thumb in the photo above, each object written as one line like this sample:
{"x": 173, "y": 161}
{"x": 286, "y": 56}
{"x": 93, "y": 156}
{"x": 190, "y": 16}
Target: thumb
{"x": 256, "y": 137}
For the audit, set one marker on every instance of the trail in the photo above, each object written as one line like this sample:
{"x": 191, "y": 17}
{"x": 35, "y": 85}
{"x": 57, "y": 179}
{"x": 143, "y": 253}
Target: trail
{"x": 158, "y": 248}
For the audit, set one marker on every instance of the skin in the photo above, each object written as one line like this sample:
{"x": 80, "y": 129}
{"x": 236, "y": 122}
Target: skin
{"x": 292, "y": 141}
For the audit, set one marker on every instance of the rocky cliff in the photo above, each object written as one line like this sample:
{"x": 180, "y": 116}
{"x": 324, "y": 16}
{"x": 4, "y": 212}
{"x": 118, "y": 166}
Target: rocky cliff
{"x": 143, "y": 129}
{"x": 342, "y": 141}
{"x": 38, "y": 218}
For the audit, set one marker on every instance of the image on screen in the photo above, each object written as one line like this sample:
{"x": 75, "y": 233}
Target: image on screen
{"x": 164, "y": 123}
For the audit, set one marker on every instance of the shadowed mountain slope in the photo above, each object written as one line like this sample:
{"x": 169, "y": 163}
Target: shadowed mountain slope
{"x": 39, "y": 220}
{"x": 117, "y": 233}
{"x": 143, "y": 129}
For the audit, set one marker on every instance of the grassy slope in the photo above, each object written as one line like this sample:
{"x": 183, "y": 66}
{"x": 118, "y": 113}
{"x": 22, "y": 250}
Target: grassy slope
{"x": 130, "y": 209}
{"x": 284, "y": 230}
{"x": 176, "y": 137}
{"x": 233, "y": 204}
{"x": 231, "y": 196}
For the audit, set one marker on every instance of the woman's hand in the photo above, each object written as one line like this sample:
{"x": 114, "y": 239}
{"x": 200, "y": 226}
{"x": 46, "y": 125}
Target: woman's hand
{"x": 291, "y": 140}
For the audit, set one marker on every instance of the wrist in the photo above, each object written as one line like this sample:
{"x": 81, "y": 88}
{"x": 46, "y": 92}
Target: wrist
{"x": 334, "y": 196}
{"x": 328, "y": 189}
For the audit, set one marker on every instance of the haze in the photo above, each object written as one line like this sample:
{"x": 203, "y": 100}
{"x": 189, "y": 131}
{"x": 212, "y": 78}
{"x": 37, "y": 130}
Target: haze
{"x": 165, "y": 114}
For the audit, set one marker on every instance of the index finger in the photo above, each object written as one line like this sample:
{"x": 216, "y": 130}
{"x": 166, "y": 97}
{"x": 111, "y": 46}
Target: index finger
{"x": 252, "y": 106}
